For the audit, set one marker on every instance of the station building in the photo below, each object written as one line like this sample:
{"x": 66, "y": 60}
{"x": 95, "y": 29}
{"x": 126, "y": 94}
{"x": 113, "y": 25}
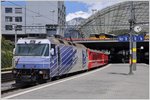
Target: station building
{"x": 115, "y": 19}
{"x": 33, "y": 18}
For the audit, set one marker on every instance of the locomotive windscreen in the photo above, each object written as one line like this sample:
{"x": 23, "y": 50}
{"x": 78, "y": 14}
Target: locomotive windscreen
{"x": 32, "y": 50}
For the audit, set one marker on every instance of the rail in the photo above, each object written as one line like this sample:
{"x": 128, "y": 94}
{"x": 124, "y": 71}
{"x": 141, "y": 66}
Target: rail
{"x": 6, "y": 69}
{"x": 6, "y": 76}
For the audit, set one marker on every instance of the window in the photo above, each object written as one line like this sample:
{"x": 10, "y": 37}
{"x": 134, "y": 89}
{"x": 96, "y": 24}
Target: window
{"x": 8, "y": 27}
{"x": 19, "y": 27}
{"x": 47, "y": 51}
{"x": 18, "y": 10}
{"x": 8, "y": 19}
{"x": 31, "y": 49}
{"x": 18, "y": 19}
{"x": 8, "y": 10}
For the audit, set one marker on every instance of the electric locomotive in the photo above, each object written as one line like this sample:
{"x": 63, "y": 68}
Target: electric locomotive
{"x": 38, "y": 60}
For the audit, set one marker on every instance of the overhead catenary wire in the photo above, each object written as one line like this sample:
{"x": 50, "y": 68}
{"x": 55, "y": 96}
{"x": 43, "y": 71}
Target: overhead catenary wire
{"x": 31, "y": 11}
{"x": 38, "y": 14}
{"x": 122, "y": 22}
{"x": 55, "y": 21}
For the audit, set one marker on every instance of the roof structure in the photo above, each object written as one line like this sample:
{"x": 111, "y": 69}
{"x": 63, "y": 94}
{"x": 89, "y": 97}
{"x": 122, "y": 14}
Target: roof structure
{"x": 115, "y": 19}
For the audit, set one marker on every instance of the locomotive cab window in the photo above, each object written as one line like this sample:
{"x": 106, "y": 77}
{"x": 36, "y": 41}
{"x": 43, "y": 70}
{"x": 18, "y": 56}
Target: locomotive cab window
{"x": 31, "y": 49}
{"x": 46, "y": 51}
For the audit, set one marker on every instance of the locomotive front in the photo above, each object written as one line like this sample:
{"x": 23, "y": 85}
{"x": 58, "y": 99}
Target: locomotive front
{"x": 31, "y": 60}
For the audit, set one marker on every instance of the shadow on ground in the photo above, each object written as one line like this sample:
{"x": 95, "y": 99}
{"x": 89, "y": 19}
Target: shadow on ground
{"x": 118, "y": 73}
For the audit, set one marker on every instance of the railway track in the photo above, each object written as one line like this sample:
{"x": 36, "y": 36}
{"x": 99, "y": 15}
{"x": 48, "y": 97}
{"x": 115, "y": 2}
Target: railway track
{"x": 6, "y": 76}
{"x": 15, "y": 88}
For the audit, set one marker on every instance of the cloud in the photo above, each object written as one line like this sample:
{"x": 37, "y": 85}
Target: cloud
{"x": 82, "y": 14}
{"x": 96, "y": 4}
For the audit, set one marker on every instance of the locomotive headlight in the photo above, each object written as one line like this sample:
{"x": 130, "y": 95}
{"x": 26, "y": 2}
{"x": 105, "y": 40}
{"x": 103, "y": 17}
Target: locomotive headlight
{"x": 40, "y": 72}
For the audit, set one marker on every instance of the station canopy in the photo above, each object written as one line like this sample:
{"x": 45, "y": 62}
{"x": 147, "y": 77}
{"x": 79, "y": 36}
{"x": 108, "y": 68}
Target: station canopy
{"x": 115, "y": 19}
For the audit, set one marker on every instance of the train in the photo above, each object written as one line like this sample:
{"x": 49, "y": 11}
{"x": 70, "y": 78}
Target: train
{"x": 40, "y": 59}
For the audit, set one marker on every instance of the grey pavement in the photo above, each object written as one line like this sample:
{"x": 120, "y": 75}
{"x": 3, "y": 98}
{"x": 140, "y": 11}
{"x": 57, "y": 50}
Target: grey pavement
{"x": 7, "y": 85}
{"x": 112, "y": 82}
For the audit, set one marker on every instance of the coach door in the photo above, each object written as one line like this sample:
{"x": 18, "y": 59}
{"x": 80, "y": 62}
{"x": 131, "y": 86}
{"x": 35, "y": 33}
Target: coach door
{"x": 58, "y": 60}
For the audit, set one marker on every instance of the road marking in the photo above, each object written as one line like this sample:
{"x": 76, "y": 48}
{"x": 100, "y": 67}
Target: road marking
{"x": 74, "y": 77}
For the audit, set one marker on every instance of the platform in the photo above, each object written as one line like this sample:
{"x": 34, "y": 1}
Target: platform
{"x": 110, "y": 82}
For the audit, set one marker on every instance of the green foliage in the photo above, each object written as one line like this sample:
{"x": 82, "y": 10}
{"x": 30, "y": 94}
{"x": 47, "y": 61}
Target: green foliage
{"x": 6, "y": 53}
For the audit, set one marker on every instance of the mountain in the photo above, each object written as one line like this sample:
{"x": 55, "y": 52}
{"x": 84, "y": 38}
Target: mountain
{"x": 71, "y": 27}
{"x": 75, "y": 21}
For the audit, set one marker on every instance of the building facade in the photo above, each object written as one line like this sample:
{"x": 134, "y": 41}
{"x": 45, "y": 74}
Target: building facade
{"x": 36, "y": 17}
{"x": 12, "y": 16}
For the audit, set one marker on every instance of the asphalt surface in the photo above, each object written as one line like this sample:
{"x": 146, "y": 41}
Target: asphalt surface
{"x": 109, "y": 82}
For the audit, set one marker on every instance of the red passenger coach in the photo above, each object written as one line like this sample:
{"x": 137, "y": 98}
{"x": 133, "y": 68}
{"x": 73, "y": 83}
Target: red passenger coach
{"x": 96, "y": 58}
{"x": 105, "y": 58}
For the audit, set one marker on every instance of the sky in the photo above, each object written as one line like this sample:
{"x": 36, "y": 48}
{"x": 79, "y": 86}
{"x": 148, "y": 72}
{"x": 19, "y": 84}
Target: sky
{"x": 84, "y": 8}
{"x": 80, "y": 8}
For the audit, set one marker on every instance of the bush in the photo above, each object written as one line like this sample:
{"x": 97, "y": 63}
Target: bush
{"x": 6, "y": 53}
